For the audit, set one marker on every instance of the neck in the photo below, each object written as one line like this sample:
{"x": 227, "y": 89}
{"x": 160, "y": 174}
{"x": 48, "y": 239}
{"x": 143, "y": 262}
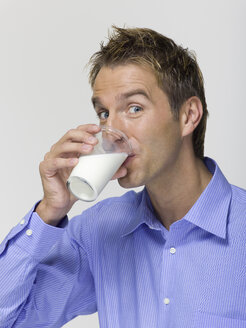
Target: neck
{"x": 178, "y": 189}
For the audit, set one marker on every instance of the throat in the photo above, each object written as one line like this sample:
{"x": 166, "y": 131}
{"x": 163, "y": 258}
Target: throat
{"x": 174, "y": 197}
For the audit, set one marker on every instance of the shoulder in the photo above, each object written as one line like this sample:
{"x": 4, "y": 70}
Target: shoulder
{"x": 238, "y": 195}
{"x": 115, "y": 207}
{"x": 238, "y": 202}
{"x": 107, "y": 217}
{"x": 237, "y": 213}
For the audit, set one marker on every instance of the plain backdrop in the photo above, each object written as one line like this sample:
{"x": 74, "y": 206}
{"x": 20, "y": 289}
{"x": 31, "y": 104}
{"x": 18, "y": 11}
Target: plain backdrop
{"x": 44, "y": 91}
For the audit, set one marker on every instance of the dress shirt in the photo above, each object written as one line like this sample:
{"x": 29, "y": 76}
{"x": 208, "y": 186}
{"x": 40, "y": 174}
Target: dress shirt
{"x": 118, "y": 259}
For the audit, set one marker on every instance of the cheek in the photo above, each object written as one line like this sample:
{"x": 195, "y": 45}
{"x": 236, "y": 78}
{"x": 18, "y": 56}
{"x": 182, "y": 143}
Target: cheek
{"x": 151, "y": 135}
{"x": 163, "y": 141}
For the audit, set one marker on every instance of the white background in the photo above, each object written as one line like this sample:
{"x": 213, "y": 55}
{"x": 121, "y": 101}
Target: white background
{"x": 44, "y": 47}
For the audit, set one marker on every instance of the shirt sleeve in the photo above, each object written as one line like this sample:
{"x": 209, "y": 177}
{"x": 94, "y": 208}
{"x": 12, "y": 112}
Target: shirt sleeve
{"x": 45, "y": 276}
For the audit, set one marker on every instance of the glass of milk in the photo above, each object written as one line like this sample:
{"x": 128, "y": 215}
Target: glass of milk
{"x": 95, "y": 170}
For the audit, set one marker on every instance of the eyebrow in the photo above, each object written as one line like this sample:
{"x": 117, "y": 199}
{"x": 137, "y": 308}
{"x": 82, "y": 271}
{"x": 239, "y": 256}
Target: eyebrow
{"x": 97, "y": 102}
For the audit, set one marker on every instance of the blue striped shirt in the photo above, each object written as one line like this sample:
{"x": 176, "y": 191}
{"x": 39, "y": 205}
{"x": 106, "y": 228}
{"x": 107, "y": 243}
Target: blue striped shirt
{"x": 116, "y": 258}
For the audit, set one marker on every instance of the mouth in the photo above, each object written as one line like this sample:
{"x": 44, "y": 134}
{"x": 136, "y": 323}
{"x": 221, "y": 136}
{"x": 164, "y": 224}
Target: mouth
{"x": 129, "y": 159}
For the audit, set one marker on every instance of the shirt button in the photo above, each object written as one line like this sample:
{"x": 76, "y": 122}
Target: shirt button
{"x": 29, "y": 232}
{"x": 166, "y": 300}
{"x": 172, "y": 250}
{"x": 22, "y": 222}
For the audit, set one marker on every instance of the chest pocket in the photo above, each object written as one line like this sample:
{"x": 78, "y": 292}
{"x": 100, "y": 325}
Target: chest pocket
{"x": 206, "y": 320}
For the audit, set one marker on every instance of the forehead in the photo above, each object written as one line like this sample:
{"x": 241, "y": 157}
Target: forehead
{"x": 124, "y": 77}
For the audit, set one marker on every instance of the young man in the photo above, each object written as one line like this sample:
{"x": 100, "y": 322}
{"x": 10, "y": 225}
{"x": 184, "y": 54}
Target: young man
{"x": 170, "y": 256}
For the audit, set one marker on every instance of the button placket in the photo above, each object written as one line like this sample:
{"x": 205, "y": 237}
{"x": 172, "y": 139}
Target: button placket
{"x": 169, "y": 273}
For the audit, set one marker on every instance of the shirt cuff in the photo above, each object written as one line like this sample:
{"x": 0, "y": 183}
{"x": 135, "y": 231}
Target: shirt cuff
{"x": 37, "y": 238}
{"x": 34, "y": 236}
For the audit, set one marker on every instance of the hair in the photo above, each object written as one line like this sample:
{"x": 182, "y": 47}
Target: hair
{"x": 175, "y": 68}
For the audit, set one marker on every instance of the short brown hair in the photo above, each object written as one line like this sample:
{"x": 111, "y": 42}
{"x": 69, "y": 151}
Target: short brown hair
{"x": 176, "y": 68}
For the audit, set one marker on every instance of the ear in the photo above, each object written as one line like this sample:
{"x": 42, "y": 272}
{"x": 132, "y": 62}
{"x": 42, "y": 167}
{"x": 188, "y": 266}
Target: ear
{"x": 190, "y": 115}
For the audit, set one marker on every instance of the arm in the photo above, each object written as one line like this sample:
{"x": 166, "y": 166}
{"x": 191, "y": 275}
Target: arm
{"x": 45, "y": 277}
{"x": 40, "y": 261}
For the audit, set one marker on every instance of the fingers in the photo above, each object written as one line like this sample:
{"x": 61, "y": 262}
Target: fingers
{"x": 91, "y": 128}
{"x": 72, "y": 148}
{"x": 64, "y": 154}
{"x": 76, "y": 141}
{"x": 82, "y": 133}
{"x": 50, "y": 167}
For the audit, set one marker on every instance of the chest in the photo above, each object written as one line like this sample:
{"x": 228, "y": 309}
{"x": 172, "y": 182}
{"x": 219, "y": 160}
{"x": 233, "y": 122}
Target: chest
{"x": 146, "y": 281}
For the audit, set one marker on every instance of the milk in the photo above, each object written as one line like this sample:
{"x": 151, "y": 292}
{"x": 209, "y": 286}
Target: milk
{"x": 92, "y": 173}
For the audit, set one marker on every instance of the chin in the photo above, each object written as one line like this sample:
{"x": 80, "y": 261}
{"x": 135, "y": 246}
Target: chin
{"x": 129, "y": 182}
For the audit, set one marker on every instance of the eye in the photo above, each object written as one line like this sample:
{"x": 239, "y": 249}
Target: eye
{"x": 135, "y": 109}
{"x": 103, "y": 115}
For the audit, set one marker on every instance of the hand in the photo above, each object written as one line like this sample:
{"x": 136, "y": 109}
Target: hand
{"x": 56, "y": 168}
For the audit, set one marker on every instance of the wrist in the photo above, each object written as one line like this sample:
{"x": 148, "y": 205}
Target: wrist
{"x": 49, "y": 214}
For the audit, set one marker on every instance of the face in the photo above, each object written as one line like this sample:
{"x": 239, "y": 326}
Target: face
{"x": 128, "y": 98}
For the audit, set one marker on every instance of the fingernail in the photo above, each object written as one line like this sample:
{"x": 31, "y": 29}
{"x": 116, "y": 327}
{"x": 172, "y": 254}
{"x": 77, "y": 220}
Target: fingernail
{"x": 92, "y": 139}
{"x": 86, "y": 147}
{"x": 74, "y": 160}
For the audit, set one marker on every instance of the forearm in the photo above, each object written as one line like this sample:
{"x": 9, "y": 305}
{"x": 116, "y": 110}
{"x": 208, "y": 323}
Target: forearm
{"x": 18, "y": 271}
{"x": 20, "y": 254}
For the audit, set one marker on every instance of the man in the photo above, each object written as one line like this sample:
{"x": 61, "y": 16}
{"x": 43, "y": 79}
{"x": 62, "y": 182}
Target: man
{"x": 170, "y": 256}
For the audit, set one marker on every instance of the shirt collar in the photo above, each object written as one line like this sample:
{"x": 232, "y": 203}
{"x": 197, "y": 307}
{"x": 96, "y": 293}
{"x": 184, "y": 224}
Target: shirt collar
{"x": 143, "y": 215}
{"x": 209, "y": 212}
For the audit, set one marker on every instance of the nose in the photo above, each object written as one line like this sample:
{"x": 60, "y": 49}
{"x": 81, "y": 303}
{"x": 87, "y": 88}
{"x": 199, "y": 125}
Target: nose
{"x": 116, "y": 122}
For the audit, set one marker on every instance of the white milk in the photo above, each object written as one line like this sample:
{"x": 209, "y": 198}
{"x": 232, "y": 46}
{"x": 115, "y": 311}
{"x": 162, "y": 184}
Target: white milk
{"x": 92, "y": 173}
